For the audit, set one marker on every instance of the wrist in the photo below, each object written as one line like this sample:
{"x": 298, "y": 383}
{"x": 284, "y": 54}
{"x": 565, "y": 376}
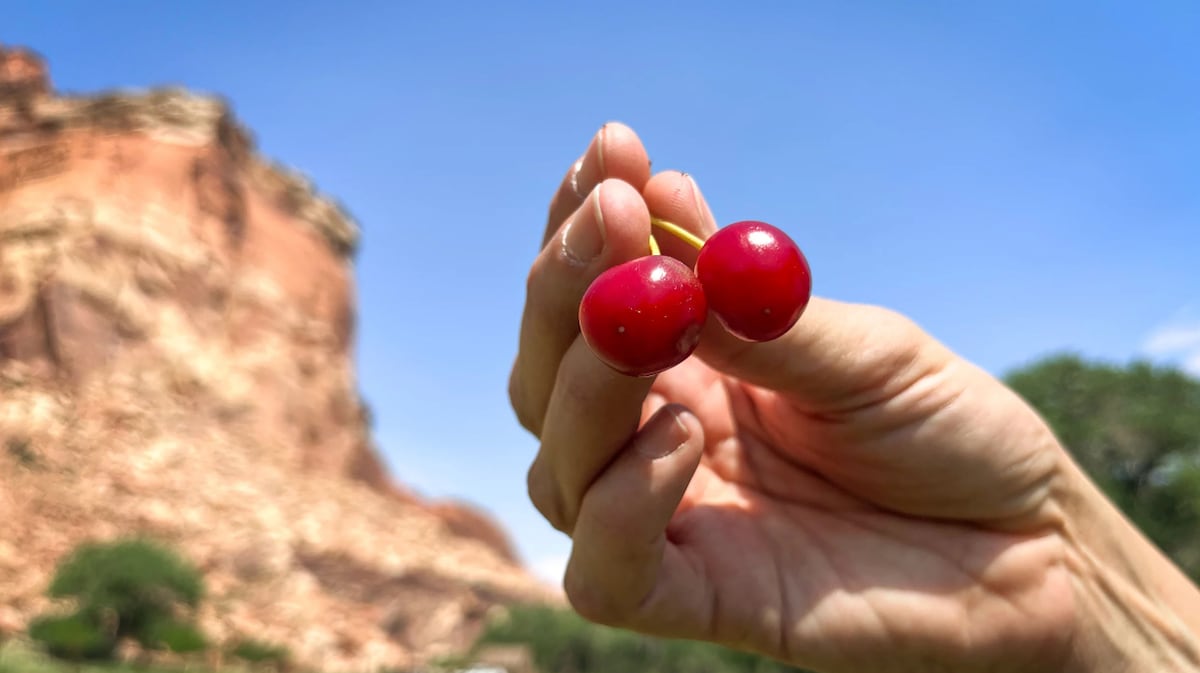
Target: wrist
{"x": 1136, "y": 611}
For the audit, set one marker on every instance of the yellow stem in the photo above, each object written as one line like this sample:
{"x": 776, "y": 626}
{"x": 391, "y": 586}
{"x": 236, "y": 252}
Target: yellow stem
{"x": 654, "y": 250}
{"x": 687, "y": 236}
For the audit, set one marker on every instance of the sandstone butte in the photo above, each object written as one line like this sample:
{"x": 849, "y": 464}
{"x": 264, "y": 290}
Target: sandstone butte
{"x": 177, "y": 318}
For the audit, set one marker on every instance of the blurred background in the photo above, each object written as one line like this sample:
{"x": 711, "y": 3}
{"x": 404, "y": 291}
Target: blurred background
{"x": 1020, "y": 177}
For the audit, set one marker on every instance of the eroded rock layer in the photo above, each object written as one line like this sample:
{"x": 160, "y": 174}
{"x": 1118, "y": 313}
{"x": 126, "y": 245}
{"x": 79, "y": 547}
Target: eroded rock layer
{"x": 176, "y": 332}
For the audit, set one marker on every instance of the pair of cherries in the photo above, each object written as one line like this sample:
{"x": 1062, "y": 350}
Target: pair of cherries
{"x": 645, "y": 316}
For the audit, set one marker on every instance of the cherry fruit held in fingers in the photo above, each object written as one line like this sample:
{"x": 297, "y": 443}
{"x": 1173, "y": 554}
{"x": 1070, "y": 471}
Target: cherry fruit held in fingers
{"x": 644, "y": 316}
{"x": 756, "y": 279}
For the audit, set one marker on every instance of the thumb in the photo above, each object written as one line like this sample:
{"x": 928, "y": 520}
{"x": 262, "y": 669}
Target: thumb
{"x": 837, "y": 357}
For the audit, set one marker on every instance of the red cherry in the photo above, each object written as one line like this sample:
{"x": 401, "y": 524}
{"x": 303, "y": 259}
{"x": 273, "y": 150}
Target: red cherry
{"x": 644, "y": 316}
{"x": 755, "y": 278}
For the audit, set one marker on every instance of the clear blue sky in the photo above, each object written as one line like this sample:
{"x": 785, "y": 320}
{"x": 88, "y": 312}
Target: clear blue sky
{"x": 1020, "y": 177}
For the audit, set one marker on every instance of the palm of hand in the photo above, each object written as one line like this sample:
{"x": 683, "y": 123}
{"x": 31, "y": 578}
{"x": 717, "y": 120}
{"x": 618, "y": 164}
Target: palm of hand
{"x": 850, "y": 497}
{"x": 902, "y": 530}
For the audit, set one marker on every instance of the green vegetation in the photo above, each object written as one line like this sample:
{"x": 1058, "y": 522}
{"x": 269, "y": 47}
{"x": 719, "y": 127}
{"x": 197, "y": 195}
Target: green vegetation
{"x": 130, "y": 589}
{"x": 72, "y": 637}
{"x": 135, "y": 590}
{"x": 562, "y": 642}
{"x": 15, "y": 658}
{"x": 1136, "y": 431}
{"x": 262, "y": 653}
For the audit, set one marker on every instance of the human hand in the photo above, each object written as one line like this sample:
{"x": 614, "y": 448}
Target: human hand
{"x": 849, "y": 497}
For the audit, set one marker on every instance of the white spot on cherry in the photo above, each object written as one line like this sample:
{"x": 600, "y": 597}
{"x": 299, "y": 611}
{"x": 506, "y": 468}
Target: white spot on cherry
{"x": 760, "y": 239}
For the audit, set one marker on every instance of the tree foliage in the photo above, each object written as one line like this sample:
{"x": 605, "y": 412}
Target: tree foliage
{"x": 72, "y": 637}
{"x": 132, "y": 589}
{"x": 1135, "y": 430}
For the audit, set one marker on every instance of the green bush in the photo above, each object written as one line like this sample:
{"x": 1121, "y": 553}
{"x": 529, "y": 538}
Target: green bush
{"x": 562, "y": 642}
{"x": 259, "y": 652}
{"x": 128, "y": 589}
{"x": 175, "y": 636}
{"x": 73, "y": 637}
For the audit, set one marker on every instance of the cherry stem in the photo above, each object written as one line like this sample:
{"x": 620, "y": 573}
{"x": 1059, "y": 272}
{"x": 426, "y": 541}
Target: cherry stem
{"x": 678, "y": 231}
{"x": 654, "y": 249}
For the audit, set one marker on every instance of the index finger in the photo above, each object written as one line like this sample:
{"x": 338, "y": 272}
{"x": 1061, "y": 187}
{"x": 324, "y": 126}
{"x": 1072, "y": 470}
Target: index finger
{"x": 549, "y": 322}
{"x": 615, "y": 152}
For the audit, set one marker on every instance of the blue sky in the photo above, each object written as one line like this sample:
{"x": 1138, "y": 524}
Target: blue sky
{"x": 1020, "y": 177}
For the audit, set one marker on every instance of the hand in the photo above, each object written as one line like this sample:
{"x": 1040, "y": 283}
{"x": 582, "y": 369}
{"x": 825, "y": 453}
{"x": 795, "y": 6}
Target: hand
{"x": 850, "y": 497}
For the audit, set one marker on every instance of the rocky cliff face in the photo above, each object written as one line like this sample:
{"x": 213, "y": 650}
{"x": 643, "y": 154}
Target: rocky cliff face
{"x": 176, "y": 330}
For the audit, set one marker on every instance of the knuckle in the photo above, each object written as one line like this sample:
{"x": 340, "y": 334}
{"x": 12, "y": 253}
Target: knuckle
{"x": 533, "y": 278}
{"x": 893, "y": 322}
{"x": 606, "y": 520}
{"x": 545, "y": 496}
{"x": 590, "y": 601}
{"x": 547, "y": 283}
{"x": 518, "y": 399}
{"x": 909, "y": 340}
{"x": 515, "y": 394}
{"x": 542, "y": 272}
{"x": 556, "y": 273}
{"x": 566, "y": 198}
{"x": 572, "y": 387}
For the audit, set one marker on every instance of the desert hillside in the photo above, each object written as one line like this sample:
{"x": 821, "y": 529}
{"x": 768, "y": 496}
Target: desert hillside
{"x": 176, "y": 359}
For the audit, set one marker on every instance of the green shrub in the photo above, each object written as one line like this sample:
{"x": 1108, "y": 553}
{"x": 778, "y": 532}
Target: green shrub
{"x": 73, "y": 637}
{"x": 14, "y": 658}
{"x": 175, "y": 636}
{"x": 260, "y": 652}
{"x": 133, "y": 589}
{"x": 563, "y": 642}
{"x": 137, "y": 580}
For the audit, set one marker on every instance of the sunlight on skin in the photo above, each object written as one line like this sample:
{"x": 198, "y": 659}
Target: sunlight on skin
{"x": 849, "y": 497}
{"x": 860, "y": 579}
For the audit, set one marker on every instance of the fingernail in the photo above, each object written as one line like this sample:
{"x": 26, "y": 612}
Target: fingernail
{"x": 601, "y": 136}
{"x": 575, "y": 178}
{"x": 667, "y": 436}
{"x": 585, "y": 174}
{"x": 583, "y": 239}
{"x": 702, "y": 208}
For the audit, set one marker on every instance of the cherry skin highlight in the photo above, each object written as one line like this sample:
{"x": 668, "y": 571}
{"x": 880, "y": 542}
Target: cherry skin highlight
{"x": 644, "y": 316}
{"x": 755, "y": 278}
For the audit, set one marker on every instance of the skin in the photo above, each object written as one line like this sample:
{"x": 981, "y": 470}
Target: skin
{"x": 850, "y": 497}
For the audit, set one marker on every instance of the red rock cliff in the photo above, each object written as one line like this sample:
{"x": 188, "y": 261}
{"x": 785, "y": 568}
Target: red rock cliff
{"x": 176, "y": 328}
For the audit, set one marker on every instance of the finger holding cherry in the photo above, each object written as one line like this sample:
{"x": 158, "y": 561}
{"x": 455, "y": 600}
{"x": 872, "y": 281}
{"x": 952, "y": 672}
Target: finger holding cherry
{"x": 645, "y": 316}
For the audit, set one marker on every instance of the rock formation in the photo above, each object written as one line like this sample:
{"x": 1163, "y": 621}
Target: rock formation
{"x": 176, "y": 333}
